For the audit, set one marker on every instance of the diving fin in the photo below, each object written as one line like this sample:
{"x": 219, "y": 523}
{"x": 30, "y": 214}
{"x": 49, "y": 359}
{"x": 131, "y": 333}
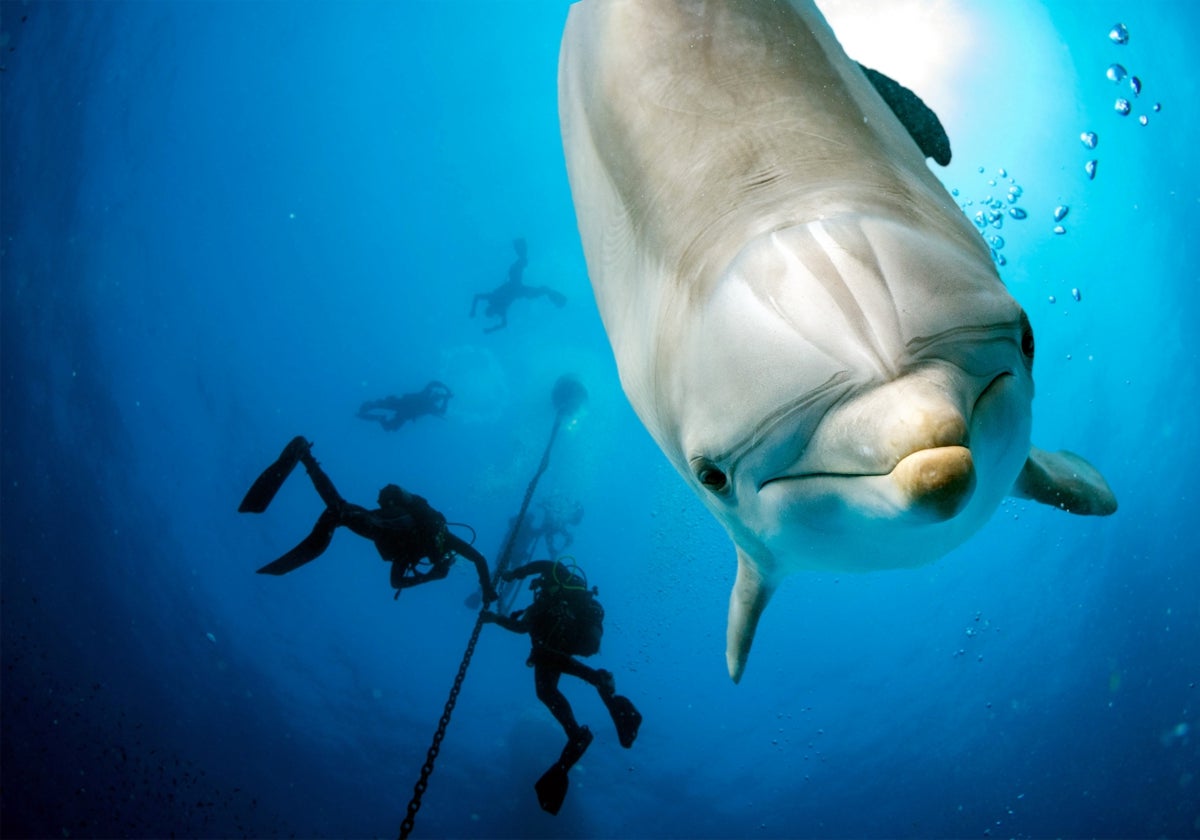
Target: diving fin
{"x": 260, "y": 494}
{"x": 625, "y": 717}
{"x": 552, "y": 786}
{"x": 918, "y": 118}
{"x": 310, "y": 548}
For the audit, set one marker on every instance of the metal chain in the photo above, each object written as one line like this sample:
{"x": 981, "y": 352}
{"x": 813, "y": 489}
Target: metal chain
{"x": 419, "y": 788}
{"x": 422, "y": 784}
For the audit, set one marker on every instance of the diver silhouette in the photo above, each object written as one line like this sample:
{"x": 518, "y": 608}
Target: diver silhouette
{"x": 499, "y": 299}
{"x": 405, "y": 529}
{"x": 565, "y": 620}
{"x": 432, "y": 399}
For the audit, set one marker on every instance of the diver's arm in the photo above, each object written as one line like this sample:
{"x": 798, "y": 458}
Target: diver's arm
{"x": 537, "y": 567}
{"x": 508, "y": 622}
{"x": 465, "y": 549}
{"x": 415, "y": 578}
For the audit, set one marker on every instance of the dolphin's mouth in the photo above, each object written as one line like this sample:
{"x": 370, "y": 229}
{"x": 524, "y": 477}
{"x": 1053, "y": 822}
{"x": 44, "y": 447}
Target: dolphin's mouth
{"x": 901, "y": 462}
{"x": 933, "y": 484}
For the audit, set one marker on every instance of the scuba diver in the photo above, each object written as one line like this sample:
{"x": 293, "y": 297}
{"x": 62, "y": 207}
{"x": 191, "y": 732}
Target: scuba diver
{"x": 431, "y": 399}
{"x": 499, "y": 299}
{"x": 564, "y": 621}
{"x": 404, "y": 528}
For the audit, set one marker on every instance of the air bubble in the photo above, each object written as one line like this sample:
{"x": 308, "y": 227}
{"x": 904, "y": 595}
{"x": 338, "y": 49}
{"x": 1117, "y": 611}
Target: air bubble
{"x": 1089, "y": 139}
{"x": 1059, "y": 230}
{"x": 1090, "y": 169}
{"x": 1075, "y": 294}
{"x": 1122, "y": 106}
{"x": 1060, "y": 212}
{"x": 1135, "y": 85}
{"x": 1119, "y": 34}
{"x": 1115, "y": 73}
{"x": 1144, "y": 120}
{"x": 1017, "y": 213}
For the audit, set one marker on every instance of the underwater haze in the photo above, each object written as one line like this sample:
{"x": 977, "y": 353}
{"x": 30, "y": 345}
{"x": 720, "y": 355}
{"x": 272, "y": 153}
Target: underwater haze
{"x": 227, "y": 224}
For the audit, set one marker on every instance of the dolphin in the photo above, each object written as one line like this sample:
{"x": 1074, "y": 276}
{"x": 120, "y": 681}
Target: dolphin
{"x": 800, "y": 314}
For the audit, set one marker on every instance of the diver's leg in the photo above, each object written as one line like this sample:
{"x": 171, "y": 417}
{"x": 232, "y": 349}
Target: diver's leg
{"x": 364, "y": 410}
{"x": 545, "y": 680}
{"x": 552, "y": 786}
{"x": 598, "y": 678}
{"x": 625, "y": 716}
{"x": 309, "y": 549}
{"x": 323, "y": 484}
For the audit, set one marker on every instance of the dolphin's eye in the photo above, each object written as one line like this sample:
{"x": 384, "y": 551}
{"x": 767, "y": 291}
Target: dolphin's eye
{"x": 710, "y": 476}
{"x": 1026, "y": 337}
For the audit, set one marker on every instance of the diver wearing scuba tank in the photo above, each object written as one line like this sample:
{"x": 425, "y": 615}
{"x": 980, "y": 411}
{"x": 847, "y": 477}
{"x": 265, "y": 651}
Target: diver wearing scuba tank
{"x": 405, "y": 528}
{"x": 565, "y": 620}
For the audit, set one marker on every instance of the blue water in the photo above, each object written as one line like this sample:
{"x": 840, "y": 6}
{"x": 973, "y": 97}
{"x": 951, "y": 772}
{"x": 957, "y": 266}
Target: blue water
{"x": 226, "y": 224}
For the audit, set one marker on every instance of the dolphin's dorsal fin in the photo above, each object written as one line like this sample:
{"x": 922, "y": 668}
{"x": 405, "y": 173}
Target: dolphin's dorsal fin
{"x": 751, "y": 592}
{"x": 922, "y": 124}
{"x": 1065, "y": 481}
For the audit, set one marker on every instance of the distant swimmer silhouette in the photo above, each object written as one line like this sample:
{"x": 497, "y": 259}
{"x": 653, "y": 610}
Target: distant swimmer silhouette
{"x": 432, "y": 399}
{"x": 499, "y": 299}
{"x": 565, "y": 620}
{"x": 406, "y": 530}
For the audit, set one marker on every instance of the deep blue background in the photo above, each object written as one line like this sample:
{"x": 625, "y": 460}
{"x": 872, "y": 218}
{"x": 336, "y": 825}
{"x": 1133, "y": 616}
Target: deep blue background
{"x": 225, "y": 224}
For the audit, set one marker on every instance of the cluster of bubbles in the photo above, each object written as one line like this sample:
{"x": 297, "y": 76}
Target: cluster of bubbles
{"x": 1124, "y": 105}
{"x": 990, "y": 211}
{"x": 1000, "y": 204}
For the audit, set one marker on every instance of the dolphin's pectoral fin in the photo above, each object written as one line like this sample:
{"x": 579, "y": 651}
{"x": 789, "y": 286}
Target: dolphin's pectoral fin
{"x": 751, "y": 592}
{"x": 920, "y": 120}
{"x": 1066, "y": 481}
